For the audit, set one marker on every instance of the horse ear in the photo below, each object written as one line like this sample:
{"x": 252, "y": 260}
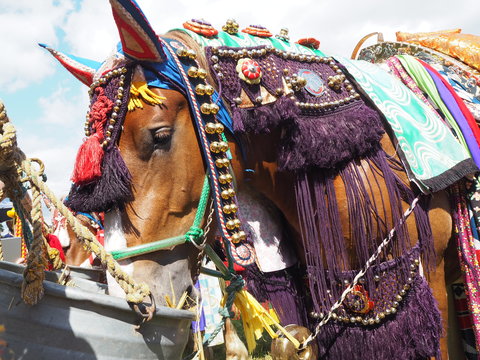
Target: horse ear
{"x": 82, "y": 69}
{"x": 139, "y": 41}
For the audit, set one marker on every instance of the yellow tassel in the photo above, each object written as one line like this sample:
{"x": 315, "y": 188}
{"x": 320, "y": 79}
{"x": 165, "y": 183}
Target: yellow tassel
{"x": 256, "y": 319}
{"x": 11, "y": 213}
{"x": 139, "y": 92}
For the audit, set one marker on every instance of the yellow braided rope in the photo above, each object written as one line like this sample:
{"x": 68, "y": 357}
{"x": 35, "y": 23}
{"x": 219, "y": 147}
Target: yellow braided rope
{"x": 13, "y": 163}
{"x": 33, "y": 276}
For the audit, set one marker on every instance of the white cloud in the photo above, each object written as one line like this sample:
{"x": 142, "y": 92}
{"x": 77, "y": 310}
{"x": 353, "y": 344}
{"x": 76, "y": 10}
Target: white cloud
{"x": 90, "y": 30}
{"x": 57, "y": 156}
{"x": 22, "y": 25}
{"x": 66, "y": 106}
{"x": 56, "y": 134}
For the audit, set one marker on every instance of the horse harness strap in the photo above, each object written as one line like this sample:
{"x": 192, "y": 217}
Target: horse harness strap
{"x": 194, "y": 235}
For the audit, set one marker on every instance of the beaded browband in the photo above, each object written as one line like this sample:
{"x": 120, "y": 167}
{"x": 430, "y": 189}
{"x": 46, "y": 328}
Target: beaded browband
{"x": 205, "y": 110}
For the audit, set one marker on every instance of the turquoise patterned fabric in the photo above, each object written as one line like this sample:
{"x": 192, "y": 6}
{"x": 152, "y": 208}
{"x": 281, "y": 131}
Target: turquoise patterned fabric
{"x": 429, "y": 148}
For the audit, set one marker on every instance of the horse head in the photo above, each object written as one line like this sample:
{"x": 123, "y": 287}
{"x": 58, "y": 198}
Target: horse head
{"x": 141, "y": 162}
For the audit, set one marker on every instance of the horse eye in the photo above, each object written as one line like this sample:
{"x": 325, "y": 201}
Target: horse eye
{"x": 162, "y": 135}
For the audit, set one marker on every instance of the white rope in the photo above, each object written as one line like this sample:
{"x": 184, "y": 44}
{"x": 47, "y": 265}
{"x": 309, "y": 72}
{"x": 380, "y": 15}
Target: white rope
{"x": 359, "y": 275}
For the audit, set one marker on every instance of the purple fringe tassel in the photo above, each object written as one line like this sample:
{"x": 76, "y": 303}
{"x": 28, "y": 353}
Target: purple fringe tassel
{"x": 330, "y": 140}
{"x": 113, "y": 189}
{"x": 263, "y": 119}
{"x": 412, "y": 333}
{"x": 283, "y": 289}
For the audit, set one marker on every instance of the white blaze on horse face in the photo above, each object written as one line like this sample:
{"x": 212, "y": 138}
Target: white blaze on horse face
{"x": 62, "y": 234}
{"x": 115, "y": 240}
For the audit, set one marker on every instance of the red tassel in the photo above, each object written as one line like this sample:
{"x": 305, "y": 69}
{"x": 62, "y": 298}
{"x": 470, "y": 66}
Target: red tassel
{"x": 55, "y": 243}
{"x": 88, "y": 165}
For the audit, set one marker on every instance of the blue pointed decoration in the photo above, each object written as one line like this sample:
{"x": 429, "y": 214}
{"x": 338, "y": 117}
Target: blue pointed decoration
{"x": 82, "y": 69}
{"x": 139, "y": 41}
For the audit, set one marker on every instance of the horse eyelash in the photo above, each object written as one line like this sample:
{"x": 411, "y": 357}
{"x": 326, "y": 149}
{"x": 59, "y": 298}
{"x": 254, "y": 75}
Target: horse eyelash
{"x": 162, "y": 136}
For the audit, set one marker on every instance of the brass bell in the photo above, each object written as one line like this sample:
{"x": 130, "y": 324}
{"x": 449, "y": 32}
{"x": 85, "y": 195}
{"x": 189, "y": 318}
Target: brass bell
{"x": 227, "y": 209}
{"x": 209, "y": 90}
{"x": 214, "y": 109}
{"x": 219, "y": 128}
{"x": 200, "y": 89}
{"x": 225, "y": 178}
{"x": 236, "y": 238}
{"x": 222, "y": 162}
{"x": 231, "y": 192}
{"x": 223, "y": 146}
{"x": 205, "y": 108}
{"x": 233, "y": 208}
{"x": 225, "y": 194}
{"x": 230, "y": 225}
{"x": 191, "y": 54}
{"x": 193, "y": 71}
{"x": 237, "y": 222}
{"x": 215, "y": 147}
{"x": 242, "y": 235}
{"x": 182, "y": 51}
{"x": 202, "y": 73}
{"x": 210, "y": 128}
{"x": 283, "y": 349}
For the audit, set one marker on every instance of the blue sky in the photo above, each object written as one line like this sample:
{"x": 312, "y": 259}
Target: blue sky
{"x": 48, "y": 106}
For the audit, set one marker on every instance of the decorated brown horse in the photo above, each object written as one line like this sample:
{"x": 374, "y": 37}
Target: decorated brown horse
{"x": 253, "y": 114}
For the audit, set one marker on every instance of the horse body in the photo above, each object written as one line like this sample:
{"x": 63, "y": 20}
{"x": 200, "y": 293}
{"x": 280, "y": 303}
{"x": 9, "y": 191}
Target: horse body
{"x": 161, "y": 149}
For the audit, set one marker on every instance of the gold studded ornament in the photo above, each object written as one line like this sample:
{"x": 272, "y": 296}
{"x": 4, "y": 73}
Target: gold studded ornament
{"x": 231, "y": 27}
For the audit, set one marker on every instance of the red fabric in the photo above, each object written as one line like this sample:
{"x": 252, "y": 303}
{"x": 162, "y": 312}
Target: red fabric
{"x": 236, "y": 267}
{"x": 55, "y": 243}
{"x": 465, "y": 322}
{"x": 461, "y": 305}
{"x": 88, "y": 164}
{"x": 468, "y": 115}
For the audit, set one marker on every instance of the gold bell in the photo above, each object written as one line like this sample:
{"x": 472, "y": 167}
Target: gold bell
{"x": 210, "y": 128}
{"x": 209, "y": 90}
{"x": 225, "y": 178}
{"x": 225, "y": 194}
{"x": 230, "y": 224}
{"x": 236, "y": 238}
{"x": 233, "y": 208}
{"x": 283, "y": 349}
{"x": 215, "y": 147}
{"x": 191, "y": 54}
{"x": 182, "y": 52}
{"x": 227, "y": 209}
{"x": 223, "y": 146}
{"x": 193, "y": 71}
{"x": 205, "y": 109}
{"x": 237, "y": 222}
{"x": 214, "y": 108}
{"x": 202, "y": 73}
{"x": 219, "y": 128}
{"x": 200, "y": 89}
{"x": 220, "y": 163}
